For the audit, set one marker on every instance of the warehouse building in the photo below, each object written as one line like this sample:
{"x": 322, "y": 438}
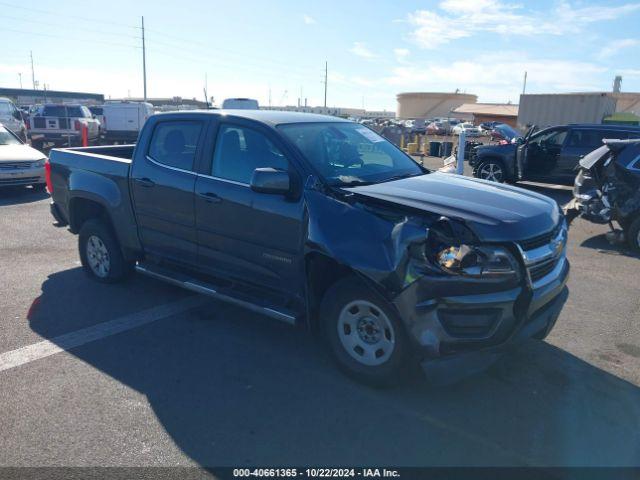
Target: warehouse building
{"x": 487, "y": 112}
{"x": 430, "y": 104}
{"x": 23, "y": 96}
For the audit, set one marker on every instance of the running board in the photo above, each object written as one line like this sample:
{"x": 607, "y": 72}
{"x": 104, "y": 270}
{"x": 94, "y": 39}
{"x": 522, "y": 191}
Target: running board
{"x": 206, "y": 289}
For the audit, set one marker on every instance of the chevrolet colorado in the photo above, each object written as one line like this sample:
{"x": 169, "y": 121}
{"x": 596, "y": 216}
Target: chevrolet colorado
{"x": 321, "y": 222}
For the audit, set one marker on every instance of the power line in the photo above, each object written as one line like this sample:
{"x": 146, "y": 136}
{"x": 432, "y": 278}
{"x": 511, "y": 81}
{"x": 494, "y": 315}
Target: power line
{"x": 75, "y": 27}
{"x": 57, "y": 14}
{"x": 51, "y": 35}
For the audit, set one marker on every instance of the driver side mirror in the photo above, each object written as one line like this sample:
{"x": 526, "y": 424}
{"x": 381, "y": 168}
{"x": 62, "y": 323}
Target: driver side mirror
{"x": 270, "y": 180}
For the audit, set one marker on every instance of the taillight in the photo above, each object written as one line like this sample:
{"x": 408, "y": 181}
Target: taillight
{"x": 27, "y": 123}
{"x": 78, "y": 125}
{"x": 47, "y": 176}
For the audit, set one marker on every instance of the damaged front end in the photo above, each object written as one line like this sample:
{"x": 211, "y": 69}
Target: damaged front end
{"x": 607, "y": 188}
{"x": 463, "y": 299}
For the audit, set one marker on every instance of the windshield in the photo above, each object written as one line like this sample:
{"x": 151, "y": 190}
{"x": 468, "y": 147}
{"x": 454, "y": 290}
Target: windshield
{"x": 349, "y": 154}
{"x": 7, "y": 138}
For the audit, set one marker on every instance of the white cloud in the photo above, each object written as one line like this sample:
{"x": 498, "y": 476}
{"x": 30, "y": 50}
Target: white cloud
{"x": 308, "y": 19}
{"x": 457, "y": 19}
{"x": 401, "y": 54}
{"x": 360, "y": 49}
{"x": 615, "y": 46}
{"x": 502, "y": 80}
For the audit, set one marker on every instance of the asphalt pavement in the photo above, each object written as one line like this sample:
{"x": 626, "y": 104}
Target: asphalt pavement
{"x": 145, "y": 374}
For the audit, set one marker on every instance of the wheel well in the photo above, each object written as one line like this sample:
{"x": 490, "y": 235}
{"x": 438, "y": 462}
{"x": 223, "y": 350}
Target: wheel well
{"x": 82, "y": 209}
{"x": 322, "y": 272}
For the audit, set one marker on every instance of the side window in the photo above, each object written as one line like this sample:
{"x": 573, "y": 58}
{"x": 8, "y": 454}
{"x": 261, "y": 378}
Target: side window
{"x": 586, "y": 138}
{"x": 551, "y": 138}
{"x": 239, "y": 151}
{"x": 174, "y": 143}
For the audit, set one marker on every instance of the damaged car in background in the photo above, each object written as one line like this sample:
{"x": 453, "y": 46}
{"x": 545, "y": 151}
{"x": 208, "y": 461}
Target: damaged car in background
{"x": 321, "y": 222}
{"x": 607, "y": 189}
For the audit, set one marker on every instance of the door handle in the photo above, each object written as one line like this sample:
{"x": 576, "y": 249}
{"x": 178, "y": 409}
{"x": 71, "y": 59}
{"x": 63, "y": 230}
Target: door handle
{"x": 210, "y": 197}
{"x": 145, "y": 182}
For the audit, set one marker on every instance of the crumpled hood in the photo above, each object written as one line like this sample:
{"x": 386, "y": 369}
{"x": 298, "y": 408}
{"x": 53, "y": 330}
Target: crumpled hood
{"x": 494, "y": 212}
{"x": 19, "y": 153}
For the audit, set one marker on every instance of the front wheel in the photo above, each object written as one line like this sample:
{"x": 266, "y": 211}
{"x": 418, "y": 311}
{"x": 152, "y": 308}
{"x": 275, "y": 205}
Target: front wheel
{"x": 364, "y": 334}
{"x": 492, "y": 170}
{"x": 100, "y": 253}
{"x": 633, "y": 235}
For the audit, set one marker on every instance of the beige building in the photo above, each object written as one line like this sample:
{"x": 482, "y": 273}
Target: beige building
{"x": 430, "y": 104}
{"x": 488, "y": 112}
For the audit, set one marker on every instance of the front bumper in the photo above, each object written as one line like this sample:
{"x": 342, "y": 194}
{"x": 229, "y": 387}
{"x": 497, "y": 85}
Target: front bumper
{"x": 461, "y": 334}
{"x": 21, "y": 176}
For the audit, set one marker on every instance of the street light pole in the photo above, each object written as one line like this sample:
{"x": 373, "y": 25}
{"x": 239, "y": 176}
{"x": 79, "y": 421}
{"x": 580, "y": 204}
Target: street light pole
{"x": 144, "y": 63}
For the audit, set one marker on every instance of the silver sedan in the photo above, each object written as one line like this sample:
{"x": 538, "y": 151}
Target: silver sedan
{"x": 19, "y": 163}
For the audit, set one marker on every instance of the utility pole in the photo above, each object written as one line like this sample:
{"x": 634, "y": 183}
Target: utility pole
{"x": 325, "y": 84}
{"x": 524, "y": 87}
{"x": 144, "y": 63}
{"x": 20, "y": 77}
{"x": 33, "y": 75}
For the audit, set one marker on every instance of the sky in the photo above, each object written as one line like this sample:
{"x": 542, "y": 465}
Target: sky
{"x": 275, "y": 51}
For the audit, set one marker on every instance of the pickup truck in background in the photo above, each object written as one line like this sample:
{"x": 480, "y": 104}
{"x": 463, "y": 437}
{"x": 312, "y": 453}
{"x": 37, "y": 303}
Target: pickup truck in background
{"x": 550, "y": 155}
{"x": 123, "y": 120}
{"x": 61, "y": 125}
{"x": 320, "y": 222}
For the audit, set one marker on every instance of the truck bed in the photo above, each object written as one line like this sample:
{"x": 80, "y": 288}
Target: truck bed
{"x": 95, "y": 173}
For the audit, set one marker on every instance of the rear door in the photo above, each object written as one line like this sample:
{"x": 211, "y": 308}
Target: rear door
{"x": 253, "y": 237}
{"x": 580, "y": 141}
{"x": 162, "y": 186}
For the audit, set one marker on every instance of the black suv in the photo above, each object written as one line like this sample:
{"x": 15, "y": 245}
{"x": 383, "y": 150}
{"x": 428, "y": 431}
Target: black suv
{"x": 549, "y": 155}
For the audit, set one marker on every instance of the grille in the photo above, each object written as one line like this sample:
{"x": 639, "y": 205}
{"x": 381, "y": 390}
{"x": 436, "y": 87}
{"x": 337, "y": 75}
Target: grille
{"x": 541, "y": 269}
{"x": 539, "y": 241}
{"x": 15, "y": 181}
{"x": 39, "y": 122}
{"x": 15, "y": 165}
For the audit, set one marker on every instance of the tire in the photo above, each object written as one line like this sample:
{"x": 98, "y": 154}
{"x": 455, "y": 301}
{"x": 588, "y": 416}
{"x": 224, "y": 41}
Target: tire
{"x": 100, "y": 253}
{"x": 369, "y": 344}
{"x": 492, "y": 170}
{"x": 633, "y": 235}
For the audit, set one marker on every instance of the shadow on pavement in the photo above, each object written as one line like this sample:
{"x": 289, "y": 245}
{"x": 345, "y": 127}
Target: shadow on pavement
{"x": 602, "y": 245}
{"x": 18, "y": 195}
{"x": 232, "y": 388}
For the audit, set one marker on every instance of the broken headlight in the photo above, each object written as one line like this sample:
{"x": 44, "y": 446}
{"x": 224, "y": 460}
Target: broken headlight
{"x": 477, "y": 261}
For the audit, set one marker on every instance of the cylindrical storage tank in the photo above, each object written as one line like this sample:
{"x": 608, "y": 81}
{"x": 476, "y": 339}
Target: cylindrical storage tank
{"x": 434, "y": 149}
{"x": 446, "y": 149}
{"x": 430, "y": 104}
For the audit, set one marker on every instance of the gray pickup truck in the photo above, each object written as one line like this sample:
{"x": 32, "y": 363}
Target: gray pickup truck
{"x": 320, "y": 222}
{"x": 61, "y": 125}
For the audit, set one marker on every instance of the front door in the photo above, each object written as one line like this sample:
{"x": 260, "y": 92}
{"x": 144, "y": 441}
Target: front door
{"x": 543, "y": 153}
{"x": 253, "y": 237}
{"x": 162, "y": 185}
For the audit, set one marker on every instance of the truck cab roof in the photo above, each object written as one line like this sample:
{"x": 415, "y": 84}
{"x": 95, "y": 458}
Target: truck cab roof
{"x": 268, "y": 117}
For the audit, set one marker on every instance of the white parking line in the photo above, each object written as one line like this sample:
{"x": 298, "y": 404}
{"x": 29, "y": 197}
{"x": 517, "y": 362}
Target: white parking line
{"x": 36, "y": 351}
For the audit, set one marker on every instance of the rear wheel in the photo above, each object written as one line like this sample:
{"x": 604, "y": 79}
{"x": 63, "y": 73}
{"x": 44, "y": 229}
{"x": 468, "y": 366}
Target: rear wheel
{"x": 633, "y": 235}
{"x": 492, "y": 170}
{"x": 100, "y": 253}
{"x": 364, "y": 334}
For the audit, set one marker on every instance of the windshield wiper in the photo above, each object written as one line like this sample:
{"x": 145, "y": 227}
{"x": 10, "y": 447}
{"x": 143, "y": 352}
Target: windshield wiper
{"x": 404, "y": 175}
{"x": 354, "y": 183}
